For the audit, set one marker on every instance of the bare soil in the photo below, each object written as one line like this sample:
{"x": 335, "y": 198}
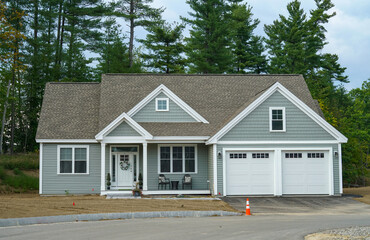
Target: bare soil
{"x": 33, "y": 205}
{"x": 363, "y": 191}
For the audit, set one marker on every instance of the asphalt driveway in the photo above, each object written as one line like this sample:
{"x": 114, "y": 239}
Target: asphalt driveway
{"x": 299, "y": 205}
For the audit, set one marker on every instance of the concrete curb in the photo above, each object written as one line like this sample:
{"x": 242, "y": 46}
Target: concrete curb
{"x": 110, "y": 216}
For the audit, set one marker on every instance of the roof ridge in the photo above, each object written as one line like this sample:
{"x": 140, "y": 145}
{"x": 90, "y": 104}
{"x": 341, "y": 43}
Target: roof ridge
{"x": 192, "y": 75}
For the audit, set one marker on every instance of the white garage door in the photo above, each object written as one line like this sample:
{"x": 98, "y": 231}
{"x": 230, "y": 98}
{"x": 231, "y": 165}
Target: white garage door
{"x": 305, "y": 172}
{"x": 250, "y": 173}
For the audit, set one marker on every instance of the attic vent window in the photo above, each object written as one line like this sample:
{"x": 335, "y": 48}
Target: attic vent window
{"x": 161, "y": 104}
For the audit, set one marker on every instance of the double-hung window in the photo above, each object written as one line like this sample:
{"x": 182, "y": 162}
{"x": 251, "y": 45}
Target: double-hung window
{"x": 277, "y": 119}
{"x": 73, "y": 159}
{"x": 177, "y": 159}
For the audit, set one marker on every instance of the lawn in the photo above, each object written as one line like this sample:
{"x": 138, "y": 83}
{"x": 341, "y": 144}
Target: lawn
{"x": 32, "y": 205}
{"x": 363, "y": 191}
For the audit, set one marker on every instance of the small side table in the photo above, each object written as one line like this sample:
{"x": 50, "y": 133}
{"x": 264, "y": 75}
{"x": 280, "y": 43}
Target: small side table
{"x": 175, "y": 185}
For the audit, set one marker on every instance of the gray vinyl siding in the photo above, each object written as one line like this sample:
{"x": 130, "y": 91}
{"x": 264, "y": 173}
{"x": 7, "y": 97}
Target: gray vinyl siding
{"x": 210, "y": 167}
{"x": 199, "y": 179}
{"x": 282, "y": 146}
{"x": 123, "y": 130}
{"x": 175, "y": 113}
{"x": 52, "y": 183}
{"x": 256, "y": 126}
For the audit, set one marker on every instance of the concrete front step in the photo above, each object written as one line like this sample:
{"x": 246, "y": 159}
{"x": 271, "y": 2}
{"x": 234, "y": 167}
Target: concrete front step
{"x": 121, "y": 195}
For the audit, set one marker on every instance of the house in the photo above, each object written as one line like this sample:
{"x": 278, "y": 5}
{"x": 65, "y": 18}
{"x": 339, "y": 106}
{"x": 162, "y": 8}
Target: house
{"x": 234, "y": 135}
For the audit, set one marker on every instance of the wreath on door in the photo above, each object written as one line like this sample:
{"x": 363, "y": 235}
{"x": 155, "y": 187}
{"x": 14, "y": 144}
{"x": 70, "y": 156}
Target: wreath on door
{"x": 124, "y": 164}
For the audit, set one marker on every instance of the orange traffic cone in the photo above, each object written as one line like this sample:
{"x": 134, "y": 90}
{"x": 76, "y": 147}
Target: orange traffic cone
{"x": 247, "y": 209}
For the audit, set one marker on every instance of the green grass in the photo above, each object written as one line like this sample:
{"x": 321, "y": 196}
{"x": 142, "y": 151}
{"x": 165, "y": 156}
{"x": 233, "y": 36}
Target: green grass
{"x": 11, "y": 175}
{"x": 28, "y": 161}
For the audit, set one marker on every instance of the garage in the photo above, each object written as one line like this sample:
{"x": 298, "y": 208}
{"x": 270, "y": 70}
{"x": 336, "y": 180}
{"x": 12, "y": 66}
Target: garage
{"x": 305, "y": 172}
{"x": 250, "y": 173}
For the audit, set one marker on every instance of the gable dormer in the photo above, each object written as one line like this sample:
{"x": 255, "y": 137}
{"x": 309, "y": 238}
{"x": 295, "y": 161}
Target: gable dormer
{"x": 162, "y": 105}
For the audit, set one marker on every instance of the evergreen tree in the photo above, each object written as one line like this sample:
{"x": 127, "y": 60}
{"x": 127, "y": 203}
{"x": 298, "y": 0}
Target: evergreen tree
{"x": 138, "y": 13}
{"x": 113, "y": 51}
{"x": 208, "y": 47}
{"x": 165, "y": 48}
{"x": 246, "y": 47}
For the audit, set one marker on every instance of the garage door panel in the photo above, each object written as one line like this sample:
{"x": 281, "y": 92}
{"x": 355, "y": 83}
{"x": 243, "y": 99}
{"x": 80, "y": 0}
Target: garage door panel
{"x": 254, "y": 176}
{"x": 305, "y": 175}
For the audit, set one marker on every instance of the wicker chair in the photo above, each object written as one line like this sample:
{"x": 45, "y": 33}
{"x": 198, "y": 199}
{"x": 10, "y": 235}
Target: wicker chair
{"x": 163, "y": 181}
{"x": 187, "y": 180}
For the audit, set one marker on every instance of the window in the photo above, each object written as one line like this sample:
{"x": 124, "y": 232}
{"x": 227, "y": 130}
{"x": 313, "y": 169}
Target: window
{"x": 277, "y": 119}
{"x": 260, "y": 155}
{"x": 161, "y": 104}
{"x": 293, "y": 155}
{"x": 73, "y": 159}
{"x": 315, "y": 155}
{"x": 177, "y": 159}
{"x": 238, "y": 155}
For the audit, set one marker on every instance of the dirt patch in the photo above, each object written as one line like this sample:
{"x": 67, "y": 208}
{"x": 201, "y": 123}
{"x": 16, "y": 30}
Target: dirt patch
{"x": 363, "y": 191}
{"x": 328, "y": 236}
{"x": 33, "y": 205}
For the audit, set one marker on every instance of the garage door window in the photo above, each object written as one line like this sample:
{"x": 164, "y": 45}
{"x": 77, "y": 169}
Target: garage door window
{"x": 238, "y": 155}
{"x": 315, "y": 155}
{"x": 260, "y": 155}
{"x": 293, "y": 155}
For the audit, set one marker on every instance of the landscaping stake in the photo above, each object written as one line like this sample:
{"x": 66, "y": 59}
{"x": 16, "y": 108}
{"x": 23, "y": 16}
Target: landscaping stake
{"x": 73, "y": 203}
{"x": 247, "y": 209}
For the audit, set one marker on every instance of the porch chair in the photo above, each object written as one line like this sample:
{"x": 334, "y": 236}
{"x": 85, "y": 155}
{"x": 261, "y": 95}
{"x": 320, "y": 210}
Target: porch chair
{"x": 186, "y": 180}
{"x": 163, "y": 181}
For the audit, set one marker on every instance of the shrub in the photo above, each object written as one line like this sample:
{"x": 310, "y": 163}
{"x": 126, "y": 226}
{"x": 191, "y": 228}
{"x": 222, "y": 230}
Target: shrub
{"x": 16, "y": 171}
{"x": 21, "y": 161}
{"x": 2, "y": 173}
{"x": 22, "y": 181}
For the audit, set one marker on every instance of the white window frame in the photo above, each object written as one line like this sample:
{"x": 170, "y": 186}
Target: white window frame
{"x": 284, "y": 119}
{"x": 73, "y": 159}
{"x": 183, "y": 158}
{"x": 167, "y": 104}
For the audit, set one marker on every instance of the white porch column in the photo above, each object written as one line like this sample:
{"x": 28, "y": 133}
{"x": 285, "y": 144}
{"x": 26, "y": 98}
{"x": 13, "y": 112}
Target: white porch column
{"x": 215, "y": 169}
{"x": 145, "y": 166}
{"x": 102, "y": 183}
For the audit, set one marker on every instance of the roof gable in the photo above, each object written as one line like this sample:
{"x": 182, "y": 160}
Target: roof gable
{"x": 292, "y": 98}
{"x": 255, "y": 126}
{"x": 175, "y": 112}
{"x": 123, "y": 129}
{"x": 162, "y": 89}
{"x": 118, "y": 121}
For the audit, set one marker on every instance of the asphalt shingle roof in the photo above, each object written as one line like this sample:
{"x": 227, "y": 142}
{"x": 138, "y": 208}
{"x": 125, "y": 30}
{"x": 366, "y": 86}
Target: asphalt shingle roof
{"x": 81, "y": 110}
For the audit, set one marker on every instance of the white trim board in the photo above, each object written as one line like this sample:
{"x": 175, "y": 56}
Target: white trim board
{"x": 40, "y": 168}
{"x": 163, "y": 89}
{"x": 66, "y": 141}
{"x": 172, "y": 192}
{"x": 123, "y": 117}
{"x": 291, "y": 97}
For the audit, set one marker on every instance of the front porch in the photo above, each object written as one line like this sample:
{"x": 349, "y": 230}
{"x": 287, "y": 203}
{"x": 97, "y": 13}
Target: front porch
{"x": 132, "y": 163}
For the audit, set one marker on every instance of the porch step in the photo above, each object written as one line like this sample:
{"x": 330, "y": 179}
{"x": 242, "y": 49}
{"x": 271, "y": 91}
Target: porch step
{"x": 121, "y": 195}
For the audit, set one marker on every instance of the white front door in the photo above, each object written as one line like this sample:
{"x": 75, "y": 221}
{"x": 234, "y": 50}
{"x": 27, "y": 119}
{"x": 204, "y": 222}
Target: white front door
{"x": 125, "y": 174}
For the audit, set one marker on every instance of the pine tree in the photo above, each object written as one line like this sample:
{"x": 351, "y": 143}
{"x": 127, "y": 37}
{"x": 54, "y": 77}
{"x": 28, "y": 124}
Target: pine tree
{"x": 208, "y": 47}
{"x": 247, "y": 48}
{"x": 113, "y": 51}
{"x": 139, "y": 14}
{"x": 165, "y": 48}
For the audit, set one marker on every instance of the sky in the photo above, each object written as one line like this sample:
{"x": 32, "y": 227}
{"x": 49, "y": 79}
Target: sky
{"x": 348, "y": 33}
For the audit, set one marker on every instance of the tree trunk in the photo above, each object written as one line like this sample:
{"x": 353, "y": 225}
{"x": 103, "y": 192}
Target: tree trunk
{"x": 4, "y": 116}
{"x": 132, "y": 31}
